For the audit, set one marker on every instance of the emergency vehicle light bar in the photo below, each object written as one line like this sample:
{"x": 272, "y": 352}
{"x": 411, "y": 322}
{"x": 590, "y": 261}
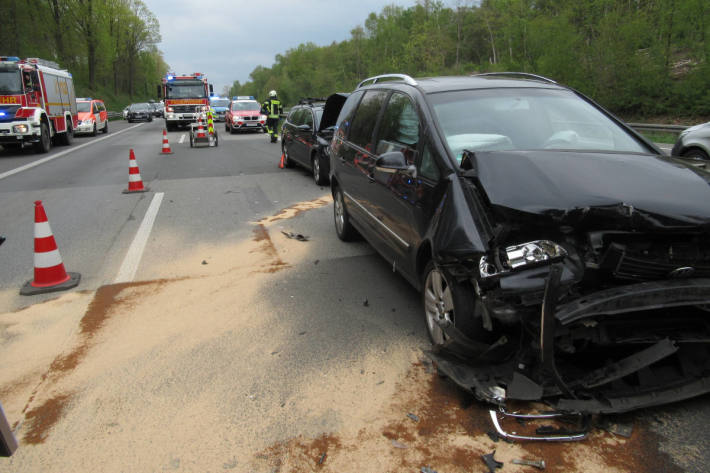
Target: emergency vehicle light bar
{"x": 9, "y": 59}
{"x": 41, "y": 62}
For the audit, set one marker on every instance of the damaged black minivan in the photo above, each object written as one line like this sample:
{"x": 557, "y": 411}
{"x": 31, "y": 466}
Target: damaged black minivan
{"x": 561, "y": 256}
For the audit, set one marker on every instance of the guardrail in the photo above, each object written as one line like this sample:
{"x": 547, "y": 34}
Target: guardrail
{"x": 660, "y": 128}
{"x": 115, "y": 115}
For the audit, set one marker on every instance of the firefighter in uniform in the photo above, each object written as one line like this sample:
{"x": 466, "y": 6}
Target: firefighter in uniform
{"x": 272, "y": 108}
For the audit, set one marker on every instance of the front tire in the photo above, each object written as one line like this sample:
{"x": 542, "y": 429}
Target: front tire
{"x": 94, "y": 131}
{"x": 43, "y": 145}
{"x": 446, "y": 299}
{"x": 696, "y": 153}
{"x": 105, "y": 130}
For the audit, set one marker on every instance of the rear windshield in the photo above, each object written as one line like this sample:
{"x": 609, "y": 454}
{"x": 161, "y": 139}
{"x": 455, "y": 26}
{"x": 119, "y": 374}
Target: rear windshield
{"x": 220, "y": 103}
{"x": 526, "y": 119}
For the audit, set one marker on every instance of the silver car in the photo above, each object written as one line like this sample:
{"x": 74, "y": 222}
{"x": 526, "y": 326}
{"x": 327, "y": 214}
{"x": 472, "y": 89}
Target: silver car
{"x": 694, "y": 142}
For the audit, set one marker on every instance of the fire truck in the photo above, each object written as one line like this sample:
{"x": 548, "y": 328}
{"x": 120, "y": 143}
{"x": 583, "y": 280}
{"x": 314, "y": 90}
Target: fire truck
{"x": 37, "y": 104}
{"x": 186, "y": 98}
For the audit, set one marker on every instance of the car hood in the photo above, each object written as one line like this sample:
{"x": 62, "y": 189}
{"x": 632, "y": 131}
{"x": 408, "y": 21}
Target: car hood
{"x": 595, "y": 189}
{"x": 239, "y": 113}
{"x": 331, "y": 110}
{"x": 84, "y": 115}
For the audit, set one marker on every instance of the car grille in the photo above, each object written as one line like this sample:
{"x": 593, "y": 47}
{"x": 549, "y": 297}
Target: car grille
{"x": 185, "y": 108}
{"x": 657, "y": 261}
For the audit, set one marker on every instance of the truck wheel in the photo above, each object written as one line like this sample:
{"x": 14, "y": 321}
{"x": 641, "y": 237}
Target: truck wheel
{"x": 43, "y": 145}
{"x": 68, "y": 136}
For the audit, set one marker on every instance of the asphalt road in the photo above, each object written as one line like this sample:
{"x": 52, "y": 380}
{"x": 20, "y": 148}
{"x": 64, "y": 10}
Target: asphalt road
{"x": 272, "y": 348}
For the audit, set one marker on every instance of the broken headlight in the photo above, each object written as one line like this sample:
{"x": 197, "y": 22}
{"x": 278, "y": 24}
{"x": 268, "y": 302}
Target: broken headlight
{"x": 520, "y": 256}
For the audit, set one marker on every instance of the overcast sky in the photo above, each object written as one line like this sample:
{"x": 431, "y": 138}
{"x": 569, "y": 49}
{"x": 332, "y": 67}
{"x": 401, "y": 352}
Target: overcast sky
{"x": 226, "y": 40}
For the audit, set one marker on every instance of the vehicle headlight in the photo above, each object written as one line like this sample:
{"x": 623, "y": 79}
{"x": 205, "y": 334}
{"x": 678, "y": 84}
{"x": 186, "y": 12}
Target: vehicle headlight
{"x": 20, "y": 128}
{"x": 520, "y": 256}
{"x": 169, "y": 109}
{"x": 262, "y": 117}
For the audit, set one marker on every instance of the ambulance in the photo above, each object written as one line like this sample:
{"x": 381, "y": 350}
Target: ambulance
{"x": 37, "y": 104}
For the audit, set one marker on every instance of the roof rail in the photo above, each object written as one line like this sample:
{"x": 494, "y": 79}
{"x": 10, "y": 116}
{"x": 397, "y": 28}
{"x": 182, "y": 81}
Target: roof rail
{"x": 521, "y": 74}
{"x": 404, "y": 77}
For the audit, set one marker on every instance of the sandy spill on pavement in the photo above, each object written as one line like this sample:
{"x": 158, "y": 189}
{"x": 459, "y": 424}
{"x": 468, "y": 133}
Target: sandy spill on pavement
{"x": 182, "y": 375}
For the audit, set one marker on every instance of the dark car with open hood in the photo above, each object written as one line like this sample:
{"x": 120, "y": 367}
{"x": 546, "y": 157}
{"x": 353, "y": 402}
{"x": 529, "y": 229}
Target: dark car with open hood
{"x": 561, "y": 257}
{"x": 307, "y": 132}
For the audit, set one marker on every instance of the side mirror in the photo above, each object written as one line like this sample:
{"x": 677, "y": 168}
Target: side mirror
{"x": 211, "y": 90}
{"x": 395, "y": 161}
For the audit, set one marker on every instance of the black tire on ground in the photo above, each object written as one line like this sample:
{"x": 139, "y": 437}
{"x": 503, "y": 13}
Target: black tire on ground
{"x": 68, "y": 136}
{"x": 93, "y": 132}
{"x": 105, "y": 130}
{"x": 343, "y": 228}
{"x": 444, "y": 297}
{"x": 318, "y": 176}
{"x": 44, "y": 144}
{"x": 287, "y": 161}
{"x": 696, "y": 153}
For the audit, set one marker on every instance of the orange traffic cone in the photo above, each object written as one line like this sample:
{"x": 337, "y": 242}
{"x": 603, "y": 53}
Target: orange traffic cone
{"x": 200, "y": 129}
{"x": 50, "y": 274}
{"x": 166, "y": 146}
{"x": 135, "y": 183}
{"x": 282, "y": 164}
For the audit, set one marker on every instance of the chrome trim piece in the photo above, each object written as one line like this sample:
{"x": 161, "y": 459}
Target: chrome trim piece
{"x": 404, "y": 243}
{"x": 544, "y": 438}
{"x": 521, "y": 74}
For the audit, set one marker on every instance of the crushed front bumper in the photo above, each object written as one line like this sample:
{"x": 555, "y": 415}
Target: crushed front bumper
{"x": 611, "y": 351}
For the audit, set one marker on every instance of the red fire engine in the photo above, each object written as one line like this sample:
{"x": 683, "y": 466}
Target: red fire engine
{"x": 37, "y": 103}
{"x": 186, "y": 98}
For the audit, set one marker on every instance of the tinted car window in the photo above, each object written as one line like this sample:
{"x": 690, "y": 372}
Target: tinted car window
{"x": 345, "y": 116}
{"x": 363, "y": 123}
{"x": 428, "y": 167}
{"x": 525, "y": 119}
{"x": 399, "y": 129}
{"x": 297, "y": 117}
{"x": 307, "y": 117}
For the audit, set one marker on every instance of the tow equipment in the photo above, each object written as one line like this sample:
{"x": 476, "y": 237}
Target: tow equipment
{"x": 37, "y": 104}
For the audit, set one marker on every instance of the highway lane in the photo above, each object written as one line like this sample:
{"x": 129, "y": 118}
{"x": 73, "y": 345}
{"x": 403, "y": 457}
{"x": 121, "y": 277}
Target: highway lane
{"x": 210, "y": 194}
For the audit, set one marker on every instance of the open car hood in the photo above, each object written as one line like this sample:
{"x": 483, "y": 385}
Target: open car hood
{"x": 593, "y": 189}
{"x": 331, "y": 110}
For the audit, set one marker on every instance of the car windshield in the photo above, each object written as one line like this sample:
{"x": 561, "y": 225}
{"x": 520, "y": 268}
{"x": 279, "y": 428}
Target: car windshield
{"x": 10, "y": 82}
{"x": 246, "y": 105}
{"x": 140, "y": 107}
{"x": 190, "y": 90}
{"x": 83, "y": 106}
{"x": 220, "y": 103}
{"x": 526, "y": 119}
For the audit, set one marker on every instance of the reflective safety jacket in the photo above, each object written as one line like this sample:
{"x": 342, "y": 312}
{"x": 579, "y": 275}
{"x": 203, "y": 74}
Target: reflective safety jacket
{"x": 272, "y": 107}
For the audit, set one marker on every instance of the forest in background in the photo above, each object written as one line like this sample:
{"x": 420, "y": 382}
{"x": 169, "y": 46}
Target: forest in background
{"x": 109, "y": 46}
{"x": 638, "y": 58}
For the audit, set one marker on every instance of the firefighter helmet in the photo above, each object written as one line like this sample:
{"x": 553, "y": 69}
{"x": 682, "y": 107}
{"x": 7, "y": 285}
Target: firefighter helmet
{"x": 272, "y": 93}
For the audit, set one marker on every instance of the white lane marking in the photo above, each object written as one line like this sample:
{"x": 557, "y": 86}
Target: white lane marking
{"x": 129, "y": 267}
{"x": 182, "y": 138}
{"x": 58, "y": 155}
